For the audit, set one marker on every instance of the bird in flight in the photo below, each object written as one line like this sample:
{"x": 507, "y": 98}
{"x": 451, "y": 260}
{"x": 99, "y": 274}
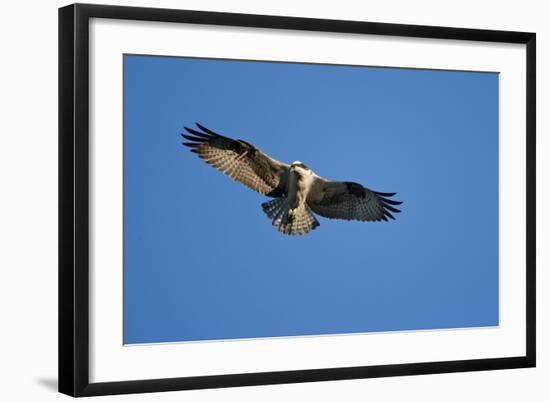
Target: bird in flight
{"x": 298, "y": 192}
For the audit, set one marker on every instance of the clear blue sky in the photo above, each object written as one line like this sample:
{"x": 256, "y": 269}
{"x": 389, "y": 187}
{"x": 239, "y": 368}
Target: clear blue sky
{"x": 203, "y": 262}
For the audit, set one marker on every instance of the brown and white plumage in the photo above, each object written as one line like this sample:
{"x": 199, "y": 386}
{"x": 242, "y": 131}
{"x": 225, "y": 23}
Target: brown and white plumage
{"x": 351, "y": 201}
{"x": 297, "y": 190}
{"x": 238, "y": 159}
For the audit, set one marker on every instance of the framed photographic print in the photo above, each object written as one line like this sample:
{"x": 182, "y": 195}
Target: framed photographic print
{"x": 249, "y": 199}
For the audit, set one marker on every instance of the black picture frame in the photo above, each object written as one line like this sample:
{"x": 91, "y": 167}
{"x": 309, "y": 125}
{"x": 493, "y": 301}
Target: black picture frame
{"x": 74, "y": 194}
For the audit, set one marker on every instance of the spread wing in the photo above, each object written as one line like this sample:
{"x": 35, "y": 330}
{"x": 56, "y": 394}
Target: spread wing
{"x": 351, "y": 201}
{"x": 240, "y": 160}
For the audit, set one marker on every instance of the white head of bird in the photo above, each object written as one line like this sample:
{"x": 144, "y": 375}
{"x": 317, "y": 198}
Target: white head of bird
{"x": 298, "y": 165}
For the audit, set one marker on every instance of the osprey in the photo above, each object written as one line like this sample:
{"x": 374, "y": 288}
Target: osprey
{"x": 297, "y": 190}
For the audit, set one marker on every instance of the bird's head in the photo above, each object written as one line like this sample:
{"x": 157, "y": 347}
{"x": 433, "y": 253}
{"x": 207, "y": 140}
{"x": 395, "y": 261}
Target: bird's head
{"x": 299, "y": 167}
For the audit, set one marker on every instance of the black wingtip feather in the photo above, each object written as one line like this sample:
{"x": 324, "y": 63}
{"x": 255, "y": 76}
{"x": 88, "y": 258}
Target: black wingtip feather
{"x": 391, "y": 201}
{"x": 193, "y": 138}
{"x": 199, "y": 134}
{"x": 386, "y": 213}
{"x": 392, "y": 209}
{"x": 190, "y": 130}
{"x": 206, "y": 129}
{"x": 388, "y": 204}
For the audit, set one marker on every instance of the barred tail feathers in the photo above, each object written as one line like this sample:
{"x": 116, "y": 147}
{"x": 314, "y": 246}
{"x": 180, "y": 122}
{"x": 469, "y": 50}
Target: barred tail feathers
{"x": 273, "y": 207}
{"x": 296, "y": 221}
